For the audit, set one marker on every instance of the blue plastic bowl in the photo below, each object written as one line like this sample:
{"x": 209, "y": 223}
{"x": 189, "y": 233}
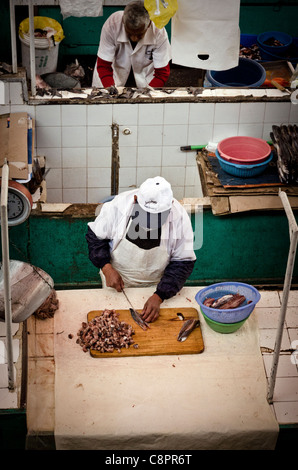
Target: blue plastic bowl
{"x": 248, "y": 73}
{"x": 284, "y": 38}
{"x": 233, "y": 315}
{"x": 243, "y": 171}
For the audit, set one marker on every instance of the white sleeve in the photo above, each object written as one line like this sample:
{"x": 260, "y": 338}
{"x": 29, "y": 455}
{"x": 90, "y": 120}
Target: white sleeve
{"x": 107, "y": 43}
{"x": 111, "y": 222}
{"x": 162, "y": 52}
{"x": 182, "y": 237}
{"x": 103, "y": 225}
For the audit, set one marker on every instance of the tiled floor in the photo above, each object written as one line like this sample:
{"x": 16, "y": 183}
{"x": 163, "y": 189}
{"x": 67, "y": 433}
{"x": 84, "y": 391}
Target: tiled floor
{"x": 285, "y": 398}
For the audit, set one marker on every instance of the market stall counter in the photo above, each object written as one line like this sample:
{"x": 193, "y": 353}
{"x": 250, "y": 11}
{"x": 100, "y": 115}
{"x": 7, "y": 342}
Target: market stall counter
{"x": 214, "y": 398}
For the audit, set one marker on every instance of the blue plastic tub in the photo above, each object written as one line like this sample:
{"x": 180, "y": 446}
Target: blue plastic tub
{"x": 247, "y": 40}
{"x": 233, "y": 315}
{"x": 248, "y": 73}
{"x": 267, "y": 56}
{"x": 243, "y": 171}
{"x": 284, "y": 38}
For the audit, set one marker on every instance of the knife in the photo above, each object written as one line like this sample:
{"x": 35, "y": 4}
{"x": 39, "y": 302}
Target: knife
{"x": 135, "y": 315}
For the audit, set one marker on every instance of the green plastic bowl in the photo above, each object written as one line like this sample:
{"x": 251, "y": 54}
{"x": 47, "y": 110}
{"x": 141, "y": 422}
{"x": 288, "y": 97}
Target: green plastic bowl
{"x": 223, "y": 327}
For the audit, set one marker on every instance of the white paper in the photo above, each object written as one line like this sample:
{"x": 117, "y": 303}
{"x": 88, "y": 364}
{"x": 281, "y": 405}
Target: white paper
{"x": 81, "y": 8}
{"x": 206, "y": 28}
{"x": 213, "y": 400}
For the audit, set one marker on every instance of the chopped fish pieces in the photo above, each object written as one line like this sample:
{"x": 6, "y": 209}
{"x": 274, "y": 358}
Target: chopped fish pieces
{"x": 105, "y": 333}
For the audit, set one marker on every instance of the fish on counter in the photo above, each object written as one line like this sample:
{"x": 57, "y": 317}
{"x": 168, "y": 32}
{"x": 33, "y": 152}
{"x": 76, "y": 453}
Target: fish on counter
{"x": 106, "y": 333}
{"x": 75, "y": 70}
{"x": 285, "y": 141}
{"x": 225, "y": 302}
{"x": 138, "y": 319}
{"x": 188, "y": 326}
{"x": 61, "y": 81}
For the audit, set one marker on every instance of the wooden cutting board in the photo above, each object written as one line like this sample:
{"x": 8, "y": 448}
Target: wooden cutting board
{"x": 160, "y": 338}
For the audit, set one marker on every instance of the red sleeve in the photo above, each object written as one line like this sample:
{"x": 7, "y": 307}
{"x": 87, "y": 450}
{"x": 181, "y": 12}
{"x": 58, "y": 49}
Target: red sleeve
{"x": 105, "y": 72}
{"x": 161, "y": 75}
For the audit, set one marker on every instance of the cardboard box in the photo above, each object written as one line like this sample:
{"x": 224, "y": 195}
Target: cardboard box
{"x": 17, "y": 144}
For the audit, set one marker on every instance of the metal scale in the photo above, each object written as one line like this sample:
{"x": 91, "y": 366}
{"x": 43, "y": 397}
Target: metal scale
{"x": 24, "y": 286}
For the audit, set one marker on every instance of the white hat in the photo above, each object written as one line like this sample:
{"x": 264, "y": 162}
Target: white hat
{"x": 155, "y": 195}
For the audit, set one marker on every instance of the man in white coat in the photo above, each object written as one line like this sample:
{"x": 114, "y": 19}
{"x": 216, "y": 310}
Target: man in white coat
{"x": 132, "y": 50}
{"x": 143, "y": 237}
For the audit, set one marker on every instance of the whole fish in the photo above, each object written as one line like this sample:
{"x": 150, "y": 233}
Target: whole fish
{"x": 187, "y": 328}
{"x": 234, "y": 302}
{"x": 138, "y": 319}
{"x": 225, "y": 302}
{"x": 208, "y": 302}
{"x": 75, "y": 70}
{"x": 221, "y": 301}
{"x": 285, "y": 141}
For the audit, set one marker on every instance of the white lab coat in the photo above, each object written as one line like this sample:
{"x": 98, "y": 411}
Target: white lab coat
{"x": 177, "y": 232}
{"x": 152, "y": 51}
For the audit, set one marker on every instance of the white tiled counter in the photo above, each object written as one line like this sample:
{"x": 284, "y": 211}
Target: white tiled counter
{"x": 122, "y": 388}
{"x": 41, "y": 365}
{"x": 76, "y": 137}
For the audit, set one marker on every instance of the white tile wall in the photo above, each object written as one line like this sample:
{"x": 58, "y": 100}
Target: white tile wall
{"x": 151, "y": 113}
{"x": 47, "y": 116}
{"x": 99, "y": 115}
{"x": 77, "y": 141}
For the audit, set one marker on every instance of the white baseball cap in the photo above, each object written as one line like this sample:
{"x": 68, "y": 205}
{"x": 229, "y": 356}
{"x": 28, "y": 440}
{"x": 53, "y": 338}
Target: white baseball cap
{"x": 155, "y": 195}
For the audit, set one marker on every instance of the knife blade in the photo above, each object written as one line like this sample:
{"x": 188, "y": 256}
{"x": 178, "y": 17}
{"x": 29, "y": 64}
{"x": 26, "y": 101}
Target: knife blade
{"x": 135, "y": 315}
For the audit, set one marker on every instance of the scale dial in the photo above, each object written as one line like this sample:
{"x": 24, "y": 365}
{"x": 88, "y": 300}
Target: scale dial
{"x": 19, "y": 203}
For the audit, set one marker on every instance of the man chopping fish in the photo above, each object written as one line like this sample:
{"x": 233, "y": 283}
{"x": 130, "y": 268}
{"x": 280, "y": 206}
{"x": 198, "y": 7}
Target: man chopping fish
{"x": 143, "y": 237}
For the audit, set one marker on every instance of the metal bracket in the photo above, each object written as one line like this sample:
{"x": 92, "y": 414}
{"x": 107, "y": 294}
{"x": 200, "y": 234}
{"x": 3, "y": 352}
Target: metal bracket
{"x": 293, "y": 228}
{"x": 6, "y": 272}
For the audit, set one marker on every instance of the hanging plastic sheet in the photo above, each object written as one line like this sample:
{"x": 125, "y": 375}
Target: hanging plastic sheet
{"x": 81, "y": 8}
{"x": 161, "y": 11}
{"x": 206, "y": 35}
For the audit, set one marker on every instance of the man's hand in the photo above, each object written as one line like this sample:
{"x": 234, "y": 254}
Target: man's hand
{"x": 113, "y": 278}
{"x": 151, "y": 308}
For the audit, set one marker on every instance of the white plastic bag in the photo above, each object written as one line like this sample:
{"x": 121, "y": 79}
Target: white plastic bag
{"x": 81, "y": 8}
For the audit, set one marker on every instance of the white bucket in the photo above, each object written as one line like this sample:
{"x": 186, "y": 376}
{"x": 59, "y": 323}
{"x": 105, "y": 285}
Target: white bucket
{"x": 46, "y": 55}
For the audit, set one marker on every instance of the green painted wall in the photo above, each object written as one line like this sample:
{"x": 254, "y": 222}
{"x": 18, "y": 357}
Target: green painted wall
{"x": 82, "y": 34}
{"x": 248, "y": 247}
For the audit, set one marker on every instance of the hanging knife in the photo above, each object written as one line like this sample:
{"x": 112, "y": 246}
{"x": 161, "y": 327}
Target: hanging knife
{"x": 135, "y": 315}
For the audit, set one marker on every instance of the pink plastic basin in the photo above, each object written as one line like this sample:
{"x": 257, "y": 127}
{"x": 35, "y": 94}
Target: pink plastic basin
{"x": 245, "y": 150}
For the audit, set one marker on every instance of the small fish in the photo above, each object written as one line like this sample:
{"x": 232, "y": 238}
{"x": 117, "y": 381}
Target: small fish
{"x": 222, "y": 300}
{"x": 138, "y": 319}
{"x": 187, "y": 328}
{"x": 208, "y": 302}
{"x": 127, "y": 93}
{"x": 234, "y": 302}
{"x": 61, "y": 81}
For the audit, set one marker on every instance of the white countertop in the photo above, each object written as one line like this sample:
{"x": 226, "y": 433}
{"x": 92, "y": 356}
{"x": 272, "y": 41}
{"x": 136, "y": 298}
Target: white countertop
{"x": 213, "y": 400}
